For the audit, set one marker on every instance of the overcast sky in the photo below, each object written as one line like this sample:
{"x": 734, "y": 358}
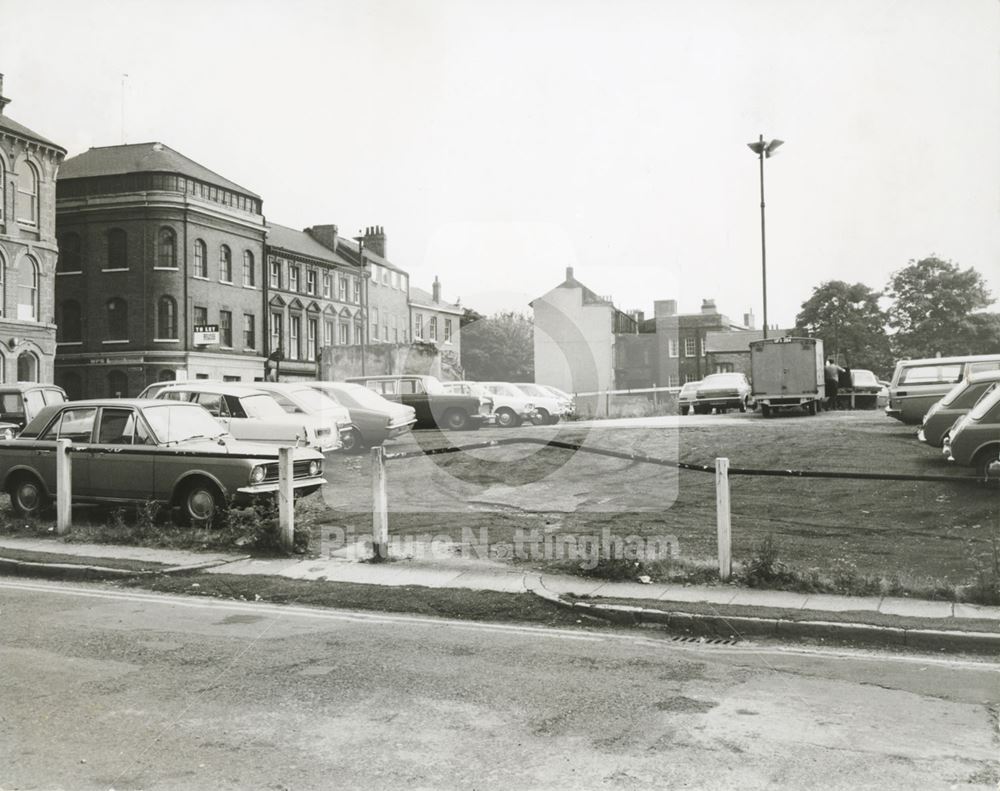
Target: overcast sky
{"x": 499, "y": 142}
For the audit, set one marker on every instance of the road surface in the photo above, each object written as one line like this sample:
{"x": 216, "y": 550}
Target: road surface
{"x": 105, "y": 688}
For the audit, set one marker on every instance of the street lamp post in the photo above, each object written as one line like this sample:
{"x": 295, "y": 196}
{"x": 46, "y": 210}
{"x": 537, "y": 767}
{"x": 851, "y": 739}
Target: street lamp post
{"x": 763, "y": 149}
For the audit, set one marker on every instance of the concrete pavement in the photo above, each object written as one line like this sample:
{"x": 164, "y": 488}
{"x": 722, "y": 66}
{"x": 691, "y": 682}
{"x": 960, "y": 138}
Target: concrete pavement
{"x": 463, "y": 573}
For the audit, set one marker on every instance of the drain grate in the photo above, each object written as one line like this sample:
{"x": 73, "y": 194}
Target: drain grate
{"x": 692, "y": 640}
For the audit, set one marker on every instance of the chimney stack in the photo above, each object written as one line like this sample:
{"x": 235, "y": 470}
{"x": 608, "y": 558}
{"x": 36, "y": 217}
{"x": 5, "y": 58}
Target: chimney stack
{"x": 708, "y": 306}
{"x": 326, "y": 235}
{"x": 436, "y": 289}
{"x": 665, "y": 307}
{"x": 374, "y": 240}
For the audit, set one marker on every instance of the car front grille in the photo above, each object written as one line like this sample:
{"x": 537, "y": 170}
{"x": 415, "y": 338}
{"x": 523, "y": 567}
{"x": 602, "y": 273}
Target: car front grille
{"x": 300, "y": 469}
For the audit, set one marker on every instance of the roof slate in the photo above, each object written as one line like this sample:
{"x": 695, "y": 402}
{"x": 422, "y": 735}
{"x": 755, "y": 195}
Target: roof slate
{"x": 285, "y": 238}
{"x": 142, "y": 158}
{"x": 10, "y": 125}
{"x": 425, "y": 298}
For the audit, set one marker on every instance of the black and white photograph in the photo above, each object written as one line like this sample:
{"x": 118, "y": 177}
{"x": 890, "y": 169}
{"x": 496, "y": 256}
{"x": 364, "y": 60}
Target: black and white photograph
{"x": 564, "y": 395}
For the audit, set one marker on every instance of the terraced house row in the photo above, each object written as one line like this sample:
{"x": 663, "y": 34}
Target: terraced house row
{"x": 168, "y": 270}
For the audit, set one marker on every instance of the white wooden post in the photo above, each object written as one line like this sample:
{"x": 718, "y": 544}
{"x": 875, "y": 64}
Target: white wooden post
{"x": 380, "y": 507}
{"x": 64, "y": 486}
{"x": 722, "y": 520}
{"x": 286, "y": 499}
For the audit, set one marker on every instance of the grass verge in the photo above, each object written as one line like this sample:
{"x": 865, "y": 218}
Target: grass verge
{"x": 469, "y": 605}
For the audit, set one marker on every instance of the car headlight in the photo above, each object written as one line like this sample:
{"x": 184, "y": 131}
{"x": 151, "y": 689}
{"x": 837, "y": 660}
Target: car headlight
{"x": 315, "y": 468}
{"x": 258, "y": 473}
{"x": 7, "y": 433}
{"x": 530, "y": 407}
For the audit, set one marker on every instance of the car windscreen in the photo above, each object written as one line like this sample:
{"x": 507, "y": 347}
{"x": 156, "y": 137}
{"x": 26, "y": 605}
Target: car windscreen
{"x": 533, "y": 390}
{"x": 985, "y": 405}
{"x": 722, "y": 380}
{"x": 313, "y": 400}
{"x": 863, "y": 378}
{"x": 432, "y": 385}
{"x": 361, "y": 397}
{"x": 11, "y": 406}
{"x": 178, "y": 422}
{"x": 954, "y": 393}
{"x": 262, "y": 406}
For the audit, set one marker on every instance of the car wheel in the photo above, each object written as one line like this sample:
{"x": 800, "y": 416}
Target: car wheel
{"x": 507, "y": 419}
{"x": 456, "y": 419}
{"x": 352, "y": 442}
{"x": 540, "y": 418}
{"x": 553, "y": 419}
{"x": 988, "y": 467}
{"x": 811, "y": 408}
{"x": 765, "y": 410}
{"x": 743, "y": 406}
{"x": 200, "y": 504}
{"x": 27, "y": 496}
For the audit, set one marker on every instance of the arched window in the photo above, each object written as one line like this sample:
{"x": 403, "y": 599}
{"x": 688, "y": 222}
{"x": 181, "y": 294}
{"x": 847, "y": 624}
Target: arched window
{"x": 225, "y": 264}
{"x": 200, "y": 259}
{"x": 27, "y": 367}
{"x": 248, "y": 269}
{"x": 27, "y": 289}
{"x": 27, "y": 193}
{"x": 167, "y": 375}
{"x": 166, "y": 249}
{"x": 117, "y": 319}
{"x": 117, "y": 384}
{"x": 70, "y": 327}
{"x": 117, "y": 249}
{"x": 70, "y": 382}
{"x": 166, "y": 319}
{"x": 69, "y": 253}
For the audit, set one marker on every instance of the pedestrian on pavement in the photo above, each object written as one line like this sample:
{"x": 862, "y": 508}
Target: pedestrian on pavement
{"x": 831, "y": 375}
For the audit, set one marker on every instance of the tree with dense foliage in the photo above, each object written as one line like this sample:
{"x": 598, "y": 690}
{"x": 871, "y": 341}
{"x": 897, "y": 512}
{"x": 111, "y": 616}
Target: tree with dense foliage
{"x": 934, "y": 310}
{"x": 849, "y": 320}
{"x": 499, "y": 348}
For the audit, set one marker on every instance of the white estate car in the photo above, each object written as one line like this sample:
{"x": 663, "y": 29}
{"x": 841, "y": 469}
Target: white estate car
{"x": 548, "y": 407}
{"x": 251, "y": 414}
{"x": 511, "y": 406}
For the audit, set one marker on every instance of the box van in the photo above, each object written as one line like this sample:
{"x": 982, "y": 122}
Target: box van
{"x": 918, "y": 384}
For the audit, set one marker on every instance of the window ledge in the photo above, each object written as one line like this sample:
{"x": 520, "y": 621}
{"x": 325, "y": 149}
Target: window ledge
{"x": 166, "y": 268}
{"x": 69, "y": 343}
{"x": 116, "y": 269}
{"x": 226, "y": 282}
{"x": 199, "y": 277}
{"x": 161, "y": 340}
{"x": 126, "y": 340}
{"x": 74, "y": 272}
{"x": 252, "y": 288}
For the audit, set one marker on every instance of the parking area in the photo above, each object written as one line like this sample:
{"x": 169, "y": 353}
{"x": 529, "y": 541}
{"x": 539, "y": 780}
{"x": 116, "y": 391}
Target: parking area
{"x": 907, "y": 528}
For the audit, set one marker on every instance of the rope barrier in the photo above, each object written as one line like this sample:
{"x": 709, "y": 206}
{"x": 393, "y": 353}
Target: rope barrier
{"x": 681, "y": 465}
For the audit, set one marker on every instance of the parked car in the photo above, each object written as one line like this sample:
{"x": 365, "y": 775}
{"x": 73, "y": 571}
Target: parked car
{"x": 974, "y": 440}
{"x": 882, "y": 399}
{"x": 568, "y": 401}
{"x": 721, "y": 392}
{"x": 373, "y": 419}
{"x": 21, "y": 401}
{"x": 548, "y": 408}
{"x": 685, "y": 398}
{"x": 959, "y": 400}
{"x": 511, "y": 406}
{"x": 251, "y": 414}
{"x": 298, "y": 398}
{"x": 861, "y": 391}
{"x": 435, "y": 408}
{"x": 917, "y": 384}
{"x": 134, "y": 450}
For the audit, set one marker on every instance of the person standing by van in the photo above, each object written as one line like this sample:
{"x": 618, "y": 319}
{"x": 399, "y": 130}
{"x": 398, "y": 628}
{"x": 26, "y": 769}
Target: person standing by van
{"x": 831, "y": 377}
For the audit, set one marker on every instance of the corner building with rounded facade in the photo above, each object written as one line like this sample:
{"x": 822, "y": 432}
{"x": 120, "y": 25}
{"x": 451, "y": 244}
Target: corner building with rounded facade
{"x": 151, "y": 246}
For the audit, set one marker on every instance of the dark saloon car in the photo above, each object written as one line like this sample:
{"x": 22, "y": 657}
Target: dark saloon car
{"x": 136, "y": 451}
{"x": 435, "y": 408}
{"x": 374, "y": 419}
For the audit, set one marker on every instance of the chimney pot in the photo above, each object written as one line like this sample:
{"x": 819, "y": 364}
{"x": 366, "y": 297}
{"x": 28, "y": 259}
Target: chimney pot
{"x": 436, "y": 289}
{"x": 569, "y": 273}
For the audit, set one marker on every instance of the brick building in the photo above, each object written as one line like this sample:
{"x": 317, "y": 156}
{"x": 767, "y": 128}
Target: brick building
{"x": 730, "y": 351}
{"x": 28, "y": 251}
{"x": 153, "y": 245}
{"x": 681, "y": 349}
{"x": 435, "y": 321}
